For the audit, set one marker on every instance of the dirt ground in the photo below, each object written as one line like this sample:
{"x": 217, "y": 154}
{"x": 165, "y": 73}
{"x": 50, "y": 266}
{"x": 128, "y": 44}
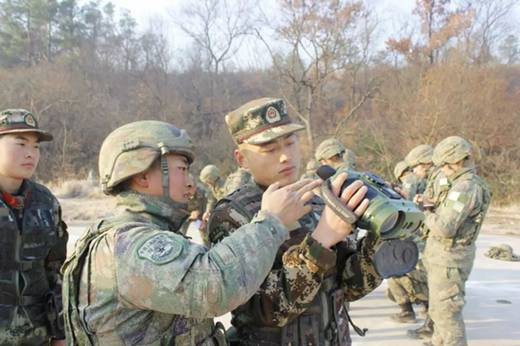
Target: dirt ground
{"x": 492, "y": 311}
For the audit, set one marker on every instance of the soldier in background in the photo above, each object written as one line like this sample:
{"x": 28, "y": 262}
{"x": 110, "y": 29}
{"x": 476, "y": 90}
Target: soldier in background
{"x": 330, "y": 152}
{"x": 302, "y": 300}
{"x": 134, "y": 280}
{"x": 406, "y": 179}
{"x": 310, "y": 170}
{"x": 453, "y": 230}
{"x": 235, "y": 180}
{"x": 33, "y": 243}
{"x": 210, "y": 176}
{"x": 349, "y": 157}
{"x": 197, "y": 202}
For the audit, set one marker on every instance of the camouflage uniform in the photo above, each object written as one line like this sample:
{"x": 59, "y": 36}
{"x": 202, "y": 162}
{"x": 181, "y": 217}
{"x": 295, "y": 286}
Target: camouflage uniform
{"x": 32, "y": 249}
{"x": 450, "y": 247}
{"x": 349, "y": 157}
{"x": 132, "y": 280}
{"x": 210, "y": 176}
{"x": 332, "y": 147}
{"x": 303, "y": 299}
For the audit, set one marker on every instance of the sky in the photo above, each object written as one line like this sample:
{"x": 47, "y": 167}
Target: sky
{"x": 392, "y": 15}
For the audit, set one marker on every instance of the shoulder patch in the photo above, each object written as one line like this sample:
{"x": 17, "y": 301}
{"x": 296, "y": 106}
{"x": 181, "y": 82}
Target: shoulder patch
{"x": 160, "y": 249}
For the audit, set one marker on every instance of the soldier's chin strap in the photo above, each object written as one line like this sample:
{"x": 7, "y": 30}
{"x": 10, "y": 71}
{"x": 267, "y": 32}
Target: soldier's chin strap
{"x": 164, "y": 170}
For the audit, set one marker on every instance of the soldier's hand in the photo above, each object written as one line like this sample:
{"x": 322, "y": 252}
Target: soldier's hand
{"x": 332, "y": 229}
{"x": 288, "y": 203}
{"x": 195, "y": 215}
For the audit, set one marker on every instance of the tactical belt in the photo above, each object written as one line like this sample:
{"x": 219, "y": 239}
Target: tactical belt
{"x": 21, "y": 300}
{"x": 21, "y": 265}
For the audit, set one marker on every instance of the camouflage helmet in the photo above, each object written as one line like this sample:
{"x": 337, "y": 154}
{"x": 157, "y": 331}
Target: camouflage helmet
{"x": 312, "y": 165}
{"x": 209, "y": 174}
{"x": 329, "y": 148}
{"x": 133, "y": 148}
{"x": 420, "y": 154}
{"x": 399, "y": 169}
{"x": 451, "y": 150}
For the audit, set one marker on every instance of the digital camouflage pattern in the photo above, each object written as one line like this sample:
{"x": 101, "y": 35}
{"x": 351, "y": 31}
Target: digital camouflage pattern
{"x": 420, "y": 154}
{"x": 209, "y": 174}
{"x": 133, "y": 148}
{"x": 303, "y": 279}
{"x": 235, "y": 180}
{"x": 410, "y": 185}
{"x": 329, "y": 148}
{"x": 502, "y": 252}
{"x": 450, "y": 252}
{"x": 19, "y": 121}
{"x": 260, "y": 121}
{"x": 400, "y": 168}
{"x": 140, "y": 282}
{"x": 30, "y": 261}
{"x": 310, "y": 170}
{"x": 410, "y": 288}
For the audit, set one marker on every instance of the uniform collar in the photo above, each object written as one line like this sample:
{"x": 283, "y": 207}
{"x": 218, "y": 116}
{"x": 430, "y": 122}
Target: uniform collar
{"x": 460, "y": 173}
{"x": 157, "y": 209}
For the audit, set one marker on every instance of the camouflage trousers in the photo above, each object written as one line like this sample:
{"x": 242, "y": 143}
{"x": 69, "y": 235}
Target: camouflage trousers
{"x": 410, "y": 288}
{"x": 447, "y": 292}
{"x": 22, "y": 332}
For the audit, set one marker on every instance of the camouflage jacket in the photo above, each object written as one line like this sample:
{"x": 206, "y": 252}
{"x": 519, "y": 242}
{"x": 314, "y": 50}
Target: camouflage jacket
{"x": 300, "y": 269}
{"x": 456, "y": 222}
{"x": 215, "y": 193}
{"x": 437, "y": 185}
{"x": 33, "y": 247}
{"x": 409, "y": 185}
{"x": 139, "y": 282}
{"x": 199, "y": 201}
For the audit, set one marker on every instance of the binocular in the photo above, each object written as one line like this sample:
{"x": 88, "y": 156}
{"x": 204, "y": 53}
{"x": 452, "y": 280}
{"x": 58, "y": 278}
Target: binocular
{"x": 388, "y": 214}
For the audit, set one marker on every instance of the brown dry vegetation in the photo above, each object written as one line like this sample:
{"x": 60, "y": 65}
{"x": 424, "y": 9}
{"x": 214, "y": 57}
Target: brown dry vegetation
{"x": 84, "y": 71}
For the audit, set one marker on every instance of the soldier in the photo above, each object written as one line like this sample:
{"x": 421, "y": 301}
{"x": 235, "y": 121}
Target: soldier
{"x": 407, "y": 180}
{"x": 453, "y": 231}
{"x": 197, "y": 201}
{"x": 210, "y": 176}
{"x": 33, "y": 244}
{"x": 310, "y": 170}
{"x": 330, "y": 152}
{"x": 412, "y": 287}
{"x": 302, "y": 300}
{"x": 133, "y": 280}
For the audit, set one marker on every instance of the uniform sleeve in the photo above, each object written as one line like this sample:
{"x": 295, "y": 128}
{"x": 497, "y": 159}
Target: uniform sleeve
{"x": 359, "y": 276}
{"x": 162, "y": 271}
{"x": 287, "y": 291}
{"x": 53, "y": 263}
{"x": 450, "y": 215}
{"x": 410, "y": 187}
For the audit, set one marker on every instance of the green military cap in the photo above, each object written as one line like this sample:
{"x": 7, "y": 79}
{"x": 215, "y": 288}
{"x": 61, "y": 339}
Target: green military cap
{"x": 420, "y": 154}
{"x": 451, "y": 150}
{"x": 329, "y": 148}
{"x": 21, "y": 120}
{"x": 209, "y": 174}
{"x": 399, "y": 169}
{"x": 260, "y": 121}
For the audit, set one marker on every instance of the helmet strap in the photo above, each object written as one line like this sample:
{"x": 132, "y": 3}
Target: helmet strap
{"x": 165, "y": 172}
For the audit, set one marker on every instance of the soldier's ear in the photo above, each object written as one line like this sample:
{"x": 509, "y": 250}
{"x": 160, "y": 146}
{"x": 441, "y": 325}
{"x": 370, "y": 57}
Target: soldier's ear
{"x": 240, "y": 158}
{"x": 140, "y": 181}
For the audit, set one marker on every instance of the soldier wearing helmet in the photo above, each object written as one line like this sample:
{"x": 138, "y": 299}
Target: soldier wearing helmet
{"x": 453, "y": 230}
{"x": 407, "y": 180}
{"x": 302, "y": 300}
{"x": 310, "y": 170}
{"x": 33, "y": 244}
{"x": 331, "y": 152}
{"x": 133, "y": 279}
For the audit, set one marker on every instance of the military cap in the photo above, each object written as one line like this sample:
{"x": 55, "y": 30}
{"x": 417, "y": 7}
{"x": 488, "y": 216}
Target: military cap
{"x": 399, "y": 169}
{"x": 260, "y": 121}
{"x": 420, "y": 154}
{"x": 21, "y": 120}
{"x": 451, "y": 150}
{"x": 329, "y": 148}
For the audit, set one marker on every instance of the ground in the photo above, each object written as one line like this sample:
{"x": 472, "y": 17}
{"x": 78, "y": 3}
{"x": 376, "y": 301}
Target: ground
{"x": 492, "y": 311}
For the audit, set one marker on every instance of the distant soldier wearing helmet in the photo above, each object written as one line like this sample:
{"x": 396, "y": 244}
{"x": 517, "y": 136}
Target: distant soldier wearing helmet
{"x": 453, "y": 230}
{"x": 406, "y": 179}
{"x": 412, "y": 287}
{"x": 331, "y": 152}
{"x": 310, "y": 170}
{"x": 211, "y": 177}
{"x": 133, "y": 279}
{"x": 33, "y": 243}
